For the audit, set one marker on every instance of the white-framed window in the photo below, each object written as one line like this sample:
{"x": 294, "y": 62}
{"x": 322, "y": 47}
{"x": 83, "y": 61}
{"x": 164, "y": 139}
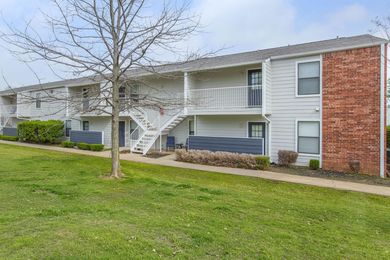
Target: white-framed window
{"x": 308, "y": 137}
{"x": 38, "y": 101}
{"x": 308, "y": 78}
{"x": 85, "y": 125}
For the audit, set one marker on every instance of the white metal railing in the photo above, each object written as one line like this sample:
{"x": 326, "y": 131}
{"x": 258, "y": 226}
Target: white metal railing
{"x": 135, "y": 136}
{"x": 226, "y": 98}
{"x": 8, "y": 110}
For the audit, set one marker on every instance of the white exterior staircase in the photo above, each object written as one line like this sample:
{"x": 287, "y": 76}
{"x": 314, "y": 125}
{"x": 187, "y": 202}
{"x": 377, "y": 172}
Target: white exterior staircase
{"x": 147, "y": 132}
{"x": 6, "y": 112}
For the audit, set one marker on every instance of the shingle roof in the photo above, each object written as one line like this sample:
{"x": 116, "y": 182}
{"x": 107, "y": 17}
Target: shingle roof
{"x": 233, "y": 59}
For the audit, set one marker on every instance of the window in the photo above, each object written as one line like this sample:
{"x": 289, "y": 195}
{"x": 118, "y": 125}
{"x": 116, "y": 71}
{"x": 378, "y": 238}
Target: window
{"x": 134, "y": 93}
{"x": 254, "y": 77}
{"x": 256, "y": 130}
{"x": 85, "y": 99}
{"x": 122, "y": 92}
{"x": 38, "y": 100}
{"x": 68, "y": 127}
{"x": 309, "y": 78}
{"x": 309, "y": 137}
{"x": 191, "y": 127}
{"x": 85, "y": 125}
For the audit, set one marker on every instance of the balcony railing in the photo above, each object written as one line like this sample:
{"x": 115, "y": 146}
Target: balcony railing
{"x": 8, "y": 110}
{"x": 226, "y": 98}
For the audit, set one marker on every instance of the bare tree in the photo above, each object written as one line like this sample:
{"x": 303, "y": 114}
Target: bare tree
{"x": 108, "y": 42}
{"x": 383, "y": 27}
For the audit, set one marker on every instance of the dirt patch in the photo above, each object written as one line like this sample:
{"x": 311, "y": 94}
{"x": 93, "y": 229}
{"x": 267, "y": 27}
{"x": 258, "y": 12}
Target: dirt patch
{"x": 304, "y": 171}
{"x": 156, "y": 155}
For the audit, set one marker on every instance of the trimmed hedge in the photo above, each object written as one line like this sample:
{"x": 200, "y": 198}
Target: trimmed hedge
{"x": 263, "y": 162}
{"x": 68, "y": 144}
{"x": 314, "y": 164}
{"x": 41, "y": 131}
{"x": 225, "y": 159}
{"x": 84, "y": 146}
{"x": 9, "y": 138}
{"x": 96, "y": 147}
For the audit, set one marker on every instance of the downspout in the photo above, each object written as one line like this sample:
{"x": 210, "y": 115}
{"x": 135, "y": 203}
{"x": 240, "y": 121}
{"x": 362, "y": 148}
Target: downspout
{"x": 382, "y": 112}
{"x": 269, "y": 134}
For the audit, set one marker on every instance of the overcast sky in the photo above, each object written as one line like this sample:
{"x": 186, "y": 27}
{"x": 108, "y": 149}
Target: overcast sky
{"x": 237, "y": 25}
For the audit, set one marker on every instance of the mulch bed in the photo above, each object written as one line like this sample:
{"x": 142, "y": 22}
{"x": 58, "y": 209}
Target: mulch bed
{"x": 304, "y": 171}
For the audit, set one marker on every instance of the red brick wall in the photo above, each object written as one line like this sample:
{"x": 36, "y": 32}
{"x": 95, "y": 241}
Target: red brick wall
{"x": 351, "y": 109}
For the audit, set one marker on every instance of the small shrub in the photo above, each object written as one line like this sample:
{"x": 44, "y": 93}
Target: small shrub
{"x": 314, "y": 164}
{"x": 9, "y": 138}
{"x": 262, "y": 162}
{"x": 226, "y": 159}
{"x": 286, "y": 158}
{"x": 96, "y": 147}
{"x": 68, "y": 144}
{"x": 84, "y": 146}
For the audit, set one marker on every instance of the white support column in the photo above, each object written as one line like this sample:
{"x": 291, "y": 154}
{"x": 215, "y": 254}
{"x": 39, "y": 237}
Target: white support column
{"x": 196, "y": 125}
{"x": 186, "y": 91}
{"x": 263, "y": 86}
{"x": 67, "y": 101}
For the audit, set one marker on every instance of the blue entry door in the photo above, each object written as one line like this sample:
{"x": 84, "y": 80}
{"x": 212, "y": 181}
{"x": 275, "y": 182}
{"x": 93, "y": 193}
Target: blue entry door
{"x": 122, "y": 133}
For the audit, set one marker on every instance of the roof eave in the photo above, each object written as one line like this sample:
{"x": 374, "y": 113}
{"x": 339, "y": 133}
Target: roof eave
{"x": 300, "y": 54}
{"x": 225, "y": 66}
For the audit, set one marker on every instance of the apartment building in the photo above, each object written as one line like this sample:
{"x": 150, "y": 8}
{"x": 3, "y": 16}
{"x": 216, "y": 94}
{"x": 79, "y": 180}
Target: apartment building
{"x": 326, "y": 100}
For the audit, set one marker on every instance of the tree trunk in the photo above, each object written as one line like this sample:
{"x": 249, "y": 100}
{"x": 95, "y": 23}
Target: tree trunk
{"x": 115, "y": 160}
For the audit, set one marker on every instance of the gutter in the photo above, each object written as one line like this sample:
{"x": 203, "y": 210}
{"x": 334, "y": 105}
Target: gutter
{"x": 382, "y": 113}
{"x": 278, "y": 57}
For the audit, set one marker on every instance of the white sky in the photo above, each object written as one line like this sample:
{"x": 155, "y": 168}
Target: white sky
{"x": 230, "y": 24}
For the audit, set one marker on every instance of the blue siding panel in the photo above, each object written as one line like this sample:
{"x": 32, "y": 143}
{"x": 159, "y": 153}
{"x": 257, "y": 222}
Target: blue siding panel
{"x": 227, "y": 144}
{"x": 10, "y": 131}
{"x": 89, "y": 137}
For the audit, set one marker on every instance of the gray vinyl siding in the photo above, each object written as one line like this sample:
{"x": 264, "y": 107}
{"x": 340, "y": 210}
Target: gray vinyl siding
{"x": 227, "y": 77}
{"x": 225, "y": 126}
{"x": 287, "y": 108}
{"x": 267, "y": 77}
{"x": 180, "y": 132}
{"x": 101, "y": 124}
{"x": 53, "y": 110}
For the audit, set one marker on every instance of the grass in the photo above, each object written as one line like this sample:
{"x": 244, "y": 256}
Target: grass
{"x": 56, "y": 205}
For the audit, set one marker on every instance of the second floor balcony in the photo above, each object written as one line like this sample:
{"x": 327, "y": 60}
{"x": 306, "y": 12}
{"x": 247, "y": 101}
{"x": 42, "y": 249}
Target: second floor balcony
{"x": 8, "y": 110}
{"x": 226, "y": 100}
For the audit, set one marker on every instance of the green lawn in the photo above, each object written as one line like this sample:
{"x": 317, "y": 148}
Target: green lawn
{"x": 55, "y": 205}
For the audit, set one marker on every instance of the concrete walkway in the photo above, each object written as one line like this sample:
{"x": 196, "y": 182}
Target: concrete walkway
{"x": 170, "y": 161}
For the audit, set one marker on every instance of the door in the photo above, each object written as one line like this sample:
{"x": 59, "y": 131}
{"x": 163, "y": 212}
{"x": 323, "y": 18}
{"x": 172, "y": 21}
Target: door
{"x": 254, "y": 88}
{"x": 122, "y": 133}
{"x": 257, "y": 130}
